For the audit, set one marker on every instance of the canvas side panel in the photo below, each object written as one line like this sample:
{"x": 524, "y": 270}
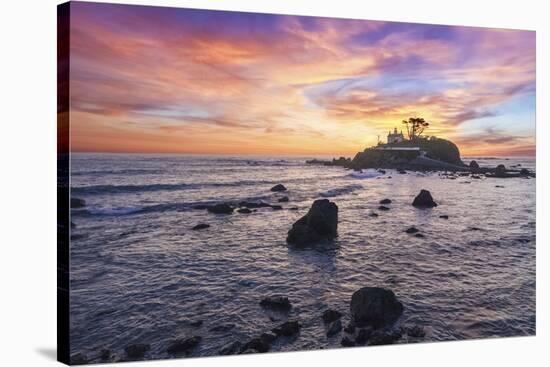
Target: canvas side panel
{"x": 63, "y": 201}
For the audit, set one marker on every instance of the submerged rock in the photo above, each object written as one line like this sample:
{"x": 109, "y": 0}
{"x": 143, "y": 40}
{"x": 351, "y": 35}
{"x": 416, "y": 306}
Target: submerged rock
{"x": 412, "y": 230}
{"x": 77, "y": 203}
{"x": 244, "y": 211}
{"x": 330, "y": 316}
{"x": 419, "y": 235}
{"x": 383, "y": 208}
{"x": 415, "y": 331}
{"x": 288, "y": 328}
{"x": 334, "y": 328}
{"x": 524, "y": 172}
{"x": 276, "y": 302}
{"x": 347, "y": 342}
{"x": 276, "y": 207}
{"x": 424, "y": 200}
{"x": 253, "y": 205}
{"x": 233, "y": 347}
{"x": 320, "y": 223}
{"x": 383, "y": 337}
{"x": 201, "y": 226}
{"x": 284, "y": 199}
{"x": 385, "y": 201}
{"x": 373, "y": 214}
{"x": 278, "y": 188}
{"x": 363, "y": 336}
{"x": 136, "y": 351}
{"x": 221, "y": 208}
{"x": 256, "y": 344}
{"x": 183, "y": 345}
{"x": 444, "y": 216}
{"x": 375, "y": 307}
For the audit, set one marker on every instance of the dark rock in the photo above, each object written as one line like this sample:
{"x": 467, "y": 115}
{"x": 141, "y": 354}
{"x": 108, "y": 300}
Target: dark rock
{"x": 350, "y": 328}
{"x": 222, "y": 328}
{"x": 201, "y": 226}
{"x": 183, "y": 345}
{"x": 244, "y": 211}
{"x": 268, "y": 337}
{"x": 231, "y": 348}
{"x": 252, "y": 205}
{"x": 330, "y": 316}
{"x": 136, "y": 351}
{"x": 105, "y": 355}
{"x": 444, "y": 216}
{"x": 474, "y": 166}
{"x": 221, "y": 208}
{"x": 416, "y": 331}
{"x": 77, "y": 203}
{"x": 347, "y": 342}
{"x": 200, "y": 206}
{"x": 284, "y": 199}
{"x": 334, "y": 328}
{"x": 363, "y": 336}
{"x": 196, "y": 323}
{"x": 293, "y": 208}
{"x": 412, "y": 230}
{"x": 256, "y": 344}
{"x": 288, "y": 328}
{"x": 383, "y": 208}
{"x": 384, "y": 337}
{"x": 373, "y": 214}
{"x": 276, "y": 302}
{"x": 320, "y": 222}
{"x": 385, "y": 201}
{"x": 79, "y": 358}
{"x": 499, "y": 186}
{"x": 424, "y": 200}
{"x": 419, "y": 235}
{"x": 382, "y": 171}
{"x": 402, "y": 172}
{"x": 524, "y": 172}
{"x": 276, "y": 207}
{"x": 475, "y": 177}
{"x": 278, "y": 188}
{"x": 375, "y": 307}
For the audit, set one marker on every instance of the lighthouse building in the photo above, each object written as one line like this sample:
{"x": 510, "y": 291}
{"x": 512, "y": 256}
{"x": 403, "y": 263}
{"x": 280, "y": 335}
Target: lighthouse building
{"x": 395, "y": 137}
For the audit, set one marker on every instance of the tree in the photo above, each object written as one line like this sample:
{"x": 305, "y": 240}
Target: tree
{"x": 415, "y": 126}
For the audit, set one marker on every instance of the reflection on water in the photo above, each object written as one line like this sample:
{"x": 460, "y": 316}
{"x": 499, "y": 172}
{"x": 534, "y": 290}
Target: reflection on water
{"x": 139, "y": 274}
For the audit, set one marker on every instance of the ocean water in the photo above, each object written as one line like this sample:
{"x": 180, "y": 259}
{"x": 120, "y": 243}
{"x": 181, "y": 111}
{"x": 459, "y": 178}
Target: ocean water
{"x": 139, "y": 274}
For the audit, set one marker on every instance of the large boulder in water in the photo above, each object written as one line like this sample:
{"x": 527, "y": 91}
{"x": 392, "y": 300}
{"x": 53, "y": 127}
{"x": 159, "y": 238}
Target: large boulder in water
{"x": 320, "y": 223}
{"x": 278, "y": 188}
{"x": 424, "y": 200}
{"x": 474, "y": 166}
{"x": 375, "y": 307}
{"x": 500, "y": 171}
{"x": 221, "y": 208}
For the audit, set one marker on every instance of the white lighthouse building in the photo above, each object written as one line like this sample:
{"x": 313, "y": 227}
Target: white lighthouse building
{"x": 395, "y": 137}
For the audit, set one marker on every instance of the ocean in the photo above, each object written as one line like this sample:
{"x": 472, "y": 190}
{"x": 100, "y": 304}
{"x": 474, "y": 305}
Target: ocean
{"x": 140, "y": 274}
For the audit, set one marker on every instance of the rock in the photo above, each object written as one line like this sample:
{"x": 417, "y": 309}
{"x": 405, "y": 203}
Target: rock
{"x": 350, "y": 328}
{"x": 402, "y": 172}
{"x": 73, "y": 225}
{"x": 79, "y": 358}
{"x": 524, "y": 172}
{"x": 347, "y": 342}
{"x": 382, "y": 171}
{"x": 221, "y": 208}
{"x": 231, "y": 348}
{"x": 499, "y": 186}
{"x": 416, "y": 331}
{"x": 293, "y": 208}
{"x": 183, "y": 345}
{"x": 363, "y": 335}
{"x": 375, "y": 307}
{"x": 383, "y": 337}
{"x": 412, "y": 230}
{"x": 268, "y": 337}
{"x": 320, "y": 223}
{"x": 256, "y": 344}
{"x": 383, "y": 208}
{"x": 252, "y": 205}
{"x": 373, "y": 214}
{"x": 105, "y": 355}
{"x": 288, "y": 328}
{"x": 222, "y": 328}
{"x": 278, "y": 188}
{"x": 284, "y": 199}
{"x": 330, "y": 316}
{"x": 244, "y": 211}
{"x": 200, "y": 226}
{"x": 77, "y": 203}
{"x": 419, "y": 235}
{"x": 276, "y": 302}
{"x": 200, "y": 206}
{"x": 195, "y": 323}
{"x": 444, "y": 216}
{"x": 385, "y": 201}
{"x": 136, "y": 351}
{"x": 334, "y": 328}
{"x": 424, "y": 200}
{"x": 276, "y": 207}
{"x": 474, "y": 166}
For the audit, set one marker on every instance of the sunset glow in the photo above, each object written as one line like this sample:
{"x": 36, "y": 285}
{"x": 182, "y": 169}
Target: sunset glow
{"x": 150, "y": 79}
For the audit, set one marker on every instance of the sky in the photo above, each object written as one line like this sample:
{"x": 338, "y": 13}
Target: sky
{"x": 171, "y": 80}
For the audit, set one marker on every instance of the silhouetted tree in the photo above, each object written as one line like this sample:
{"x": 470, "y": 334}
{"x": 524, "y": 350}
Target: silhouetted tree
{"x": 415, "y": 126}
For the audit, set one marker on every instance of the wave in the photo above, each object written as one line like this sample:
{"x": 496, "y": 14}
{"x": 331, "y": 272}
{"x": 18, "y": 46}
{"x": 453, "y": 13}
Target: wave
{"x": 340, "y": 191}
{"x": 366, "y": 173}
